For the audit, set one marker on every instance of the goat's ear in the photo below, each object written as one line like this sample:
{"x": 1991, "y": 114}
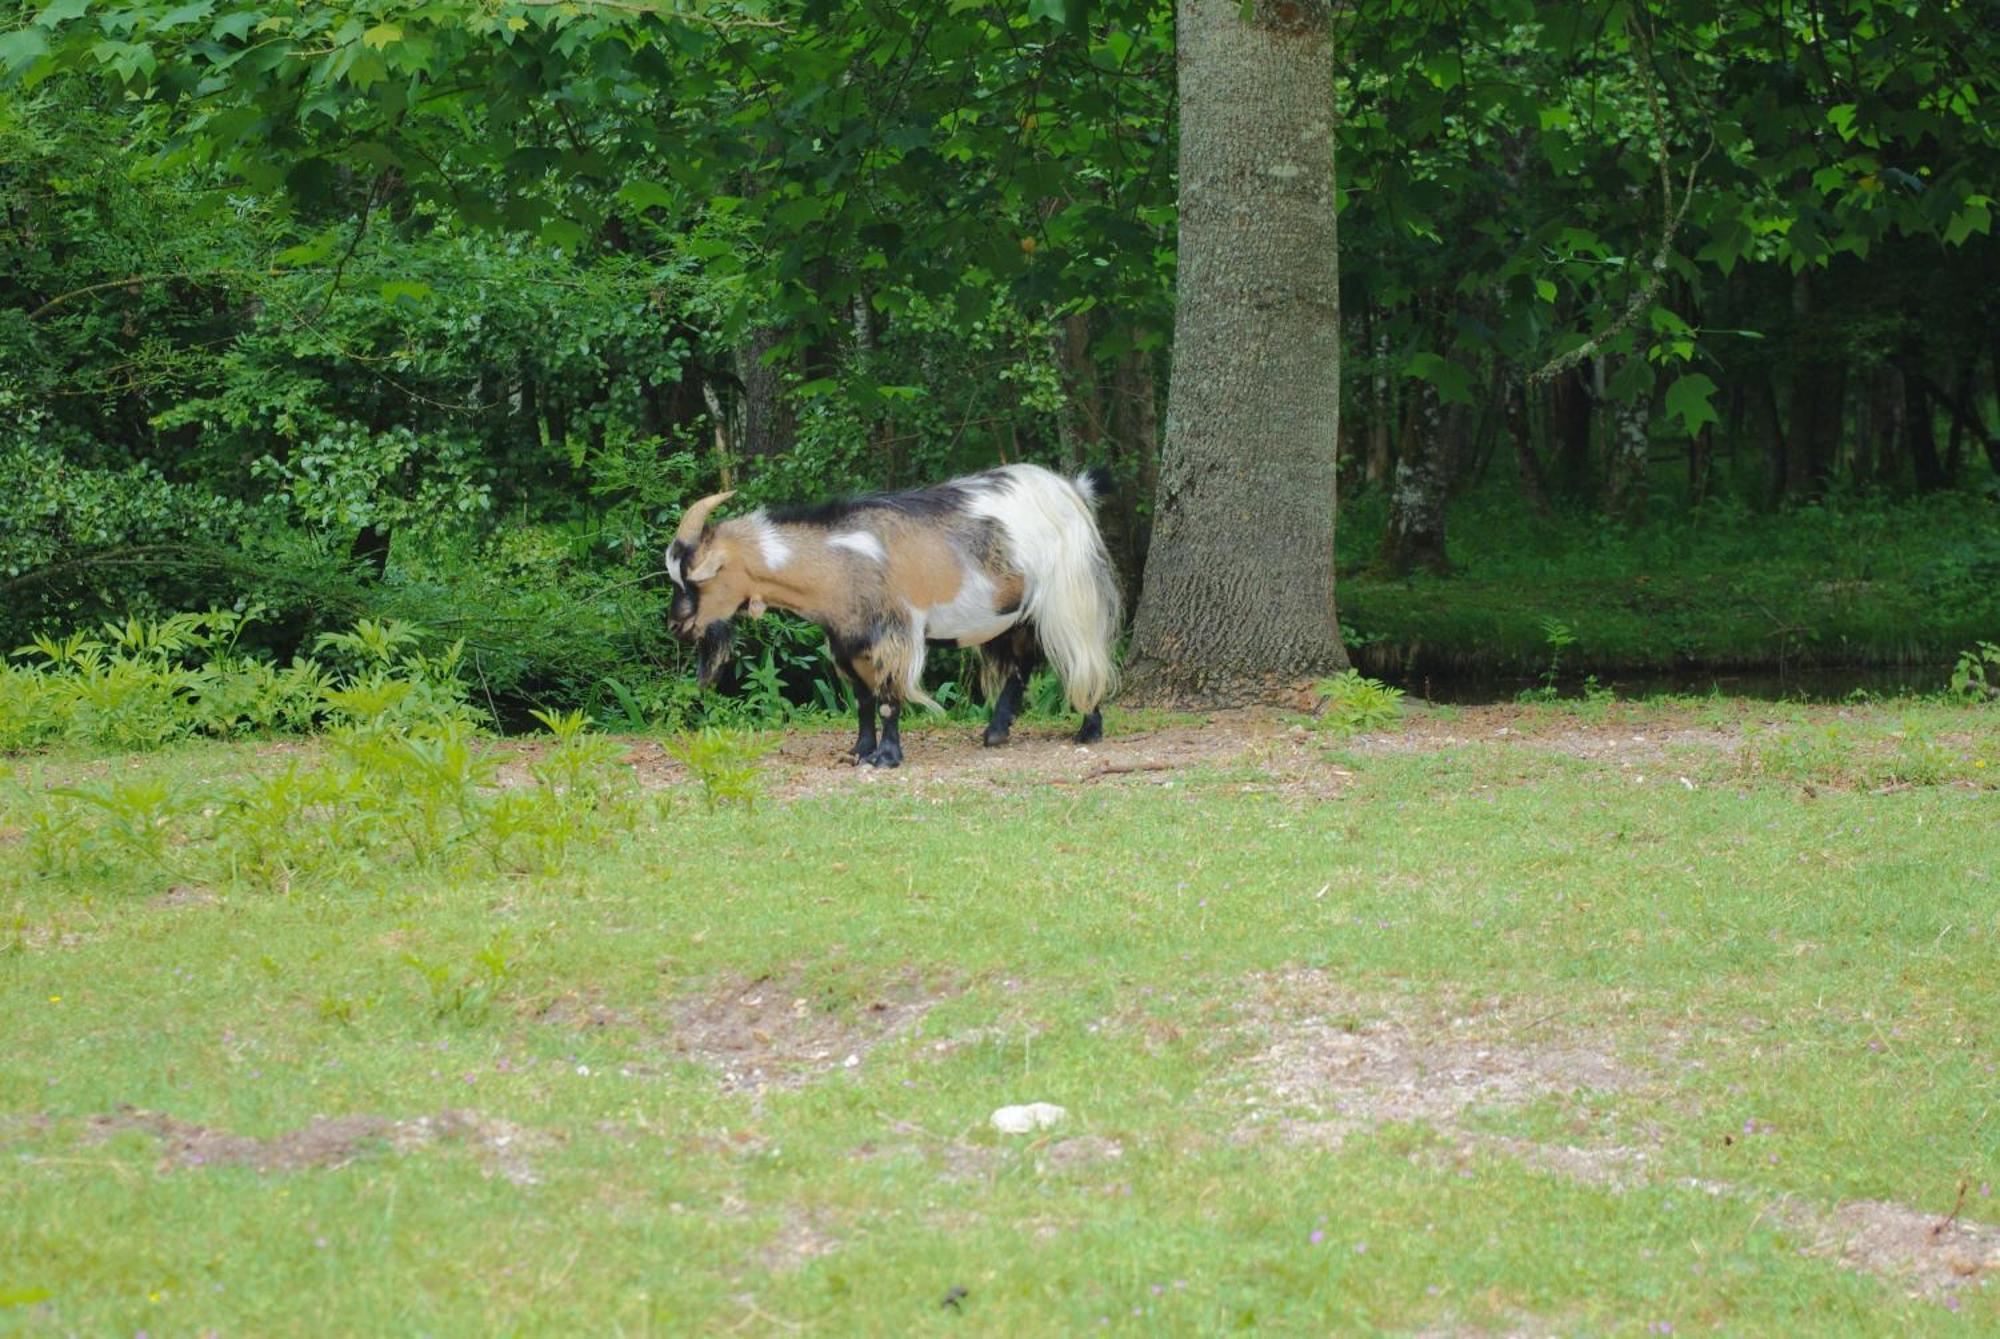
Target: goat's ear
{"x": 710, "y": 564}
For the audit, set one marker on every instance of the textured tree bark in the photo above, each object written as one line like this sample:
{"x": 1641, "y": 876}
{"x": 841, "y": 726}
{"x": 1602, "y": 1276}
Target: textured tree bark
{"x": 1424, "y": 466}
{"x": 1239, "y": 602}
{"x": 769, "y": 426}
{"x": 1631, "y": 443}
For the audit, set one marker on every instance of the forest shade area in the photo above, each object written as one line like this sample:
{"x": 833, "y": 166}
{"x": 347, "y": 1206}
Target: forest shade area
{"x": 1672, "y": 323}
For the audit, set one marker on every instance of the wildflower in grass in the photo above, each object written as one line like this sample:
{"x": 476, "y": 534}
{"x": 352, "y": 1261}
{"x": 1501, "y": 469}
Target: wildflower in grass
{"x": 1361, "y": 1248}
{"x": 1317, "y": 1237}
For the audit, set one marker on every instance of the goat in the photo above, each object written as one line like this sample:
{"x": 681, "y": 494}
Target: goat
{"x": 1009, "y": 560}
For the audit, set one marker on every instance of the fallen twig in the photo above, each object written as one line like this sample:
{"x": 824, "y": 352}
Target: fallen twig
{"x": 1939, "y": 1229}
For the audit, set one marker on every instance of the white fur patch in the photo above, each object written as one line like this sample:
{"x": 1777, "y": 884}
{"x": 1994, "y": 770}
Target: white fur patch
{"x": 969, "y": 618}
{"x": 771, "y": 544}
{"x": 861, "y": 542}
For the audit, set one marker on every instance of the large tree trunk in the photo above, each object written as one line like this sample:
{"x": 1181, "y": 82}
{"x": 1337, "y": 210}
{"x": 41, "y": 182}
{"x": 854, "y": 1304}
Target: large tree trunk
{"x": 1239, "y": 582}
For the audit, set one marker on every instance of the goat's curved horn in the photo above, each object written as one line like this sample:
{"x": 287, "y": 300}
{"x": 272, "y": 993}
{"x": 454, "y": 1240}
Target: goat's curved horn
{"x": 696, "y": 516}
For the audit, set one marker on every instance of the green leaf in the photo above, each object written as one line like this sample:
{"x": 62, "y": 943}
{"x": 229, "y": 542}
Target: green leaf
{"x": 1975, "y": 217}
{"x": 397, "y": 292}
{"x": 1453, "y": 382}
{"x": 11, "y": 1297}
{"x": 237, "y": 24}
{"x": 308, "y": 252}
{"x": 21, "y": 48}
{"x": 1545, "y": 290}
{"x": 62, "y": 11}
{"x": 187, "y": 13}
{"x": 1688, "y": 400}
{"x": 643, "y": 195}
{"x": 382, "y": 34}
{"x": 1841, "y": 118}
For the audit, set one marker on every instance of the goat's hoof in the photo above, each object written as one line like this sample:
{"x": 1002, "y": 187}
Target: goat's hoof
{"x": 1092, "y": 730}
{"x": 993, "y": 739}
{"x": 888, "y": 755}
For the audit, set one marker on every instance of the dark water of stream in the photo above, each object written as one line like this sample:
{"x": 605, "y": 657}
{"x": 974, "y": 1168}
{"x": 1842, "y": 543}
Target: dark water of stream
{"x": 1774, "y": 685}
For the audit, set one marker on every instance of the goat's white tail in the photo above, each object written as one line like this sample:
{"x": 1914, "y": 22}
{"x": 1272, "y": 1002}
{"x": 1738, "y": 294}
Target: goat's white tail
{"x": 1069, "y": 593}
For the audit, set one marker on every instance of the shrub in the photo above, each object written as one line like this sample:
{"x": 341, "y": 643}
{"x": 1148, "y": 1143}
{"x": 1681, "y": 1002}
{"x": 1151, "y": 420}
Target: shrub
{"x": 1349, "y": 704}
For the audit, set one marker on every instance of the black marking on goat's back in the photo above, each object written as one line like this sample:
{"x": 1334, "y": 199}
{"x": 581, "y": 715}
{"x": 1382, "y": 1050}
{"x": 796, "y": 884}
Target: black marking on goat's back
{"x": 930, "y": 503}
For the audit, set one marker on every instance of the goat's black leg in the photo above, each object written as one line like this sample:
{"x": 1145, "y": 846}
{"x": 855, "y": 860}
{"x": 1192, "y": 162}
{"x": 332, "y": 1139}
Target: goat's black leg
{"x": 1092, "y": 729}
{"x": 889, "y": 753}
{"x": 1004, "y": 710}
{"x": 864, "y": 743}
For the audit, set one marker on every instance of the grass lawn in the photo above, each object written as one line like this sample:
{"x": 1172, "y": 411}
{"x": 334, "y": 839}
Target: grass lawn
{"x": 1606, "y": 1020}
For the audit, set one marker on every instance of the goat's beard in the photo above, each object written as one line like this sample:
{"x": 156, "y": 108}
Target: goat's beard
{"x": 716, "y": 641}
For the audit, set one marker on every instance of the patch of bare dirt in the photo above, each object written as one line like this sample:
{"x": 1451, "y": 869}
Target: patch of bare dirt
{"x": 779, "y": 1032}
{"x": 181, "y": 895}
{"x": 798, "y": 1243}
{"x": 56, "y": 936}
{"x": 1930, "y": 1253}
{"x": 1080, "y": 1153}
{"x": 1649, "y": 735}
{"x": 325, "y": 1142}
{"x": 1342, "y": 1063}
{"x": 578, "y": 1011}
{"x": 1274, "y": 754}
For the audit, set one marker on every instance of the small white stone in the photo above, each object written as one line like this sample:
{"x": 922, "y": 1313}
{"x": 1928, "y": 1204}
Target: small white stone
{"x": 851, "y": 1062}
{"x": 1028, "y": 1119}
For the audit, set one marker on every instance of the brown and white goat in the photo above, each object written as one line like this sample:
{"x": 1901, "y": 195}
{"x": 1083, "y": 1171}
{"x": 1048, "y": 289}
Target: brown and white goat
{"x": 1009, "y": 560}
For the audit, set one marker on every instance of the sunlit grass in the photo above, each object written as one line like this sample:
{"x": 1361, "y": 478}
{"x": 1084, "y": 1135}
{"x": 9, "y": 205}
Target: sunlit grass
{"x": 1755, "y": 935}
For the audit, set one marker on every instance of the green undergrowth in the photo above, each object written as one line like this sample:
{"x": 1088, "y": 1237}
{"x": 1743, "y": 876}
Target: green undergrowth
{"x": 732, "y": 1067}
{"x": 1852, "y": 582}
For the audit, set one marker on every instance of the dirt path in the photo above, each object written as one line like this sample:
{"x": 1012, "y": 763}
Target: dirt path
{"x": 1263, "y": 751}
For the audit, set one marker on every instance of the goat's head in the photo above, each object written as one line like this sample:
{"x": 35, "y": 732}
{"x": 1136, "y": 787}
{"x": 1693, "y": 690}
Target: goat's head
{"x": 709, "y": 588}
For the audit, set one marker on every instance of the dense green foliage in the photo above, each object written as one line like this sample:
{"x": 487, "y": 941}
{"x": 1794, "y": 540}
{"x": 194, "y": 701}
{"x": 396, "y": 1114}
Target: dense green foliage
{"x": 407, "y": 310}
